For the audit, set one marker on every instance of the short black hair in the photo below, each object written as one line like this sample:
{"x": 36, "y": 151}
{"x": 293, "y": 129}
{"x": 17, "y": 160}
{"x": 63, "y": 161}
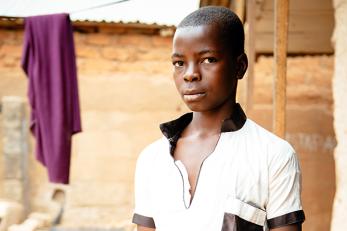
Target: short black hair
{"x": 230, "y": 25}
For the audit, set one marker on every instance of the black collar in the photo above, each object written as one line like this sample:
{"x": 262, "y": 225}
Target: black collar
{"x": 172, "y": 130}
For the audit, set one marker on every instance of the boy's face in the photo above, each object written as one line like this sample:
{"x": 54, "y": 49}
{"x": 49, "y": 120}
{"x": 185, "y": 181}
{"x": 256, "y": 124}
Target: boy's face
{"x": 204, "y": 70}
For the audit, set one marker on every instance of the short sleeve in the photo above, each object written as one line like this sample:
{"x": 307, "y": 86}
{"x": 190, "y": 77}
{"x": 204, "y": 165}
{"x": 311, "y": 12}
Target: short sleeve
{"x": 284, "y": 199}
{"x": 143, "y": 214}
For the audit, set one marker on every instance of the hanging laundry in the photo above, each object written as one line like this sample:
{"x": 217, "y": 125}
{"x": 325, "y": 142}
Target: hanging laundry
{"x": 49, "y": 62}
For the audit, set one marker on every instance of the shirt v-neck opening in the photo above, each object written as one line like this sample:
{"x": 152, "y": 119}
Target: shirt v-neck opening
{"x": 192, "y": 197}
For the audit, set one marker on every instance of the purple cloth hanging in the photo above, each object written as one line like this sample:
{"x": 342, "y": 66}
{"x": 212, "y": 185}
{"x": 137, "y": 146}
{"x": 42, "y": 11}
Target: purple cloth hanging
{"x": 49, "y": 62}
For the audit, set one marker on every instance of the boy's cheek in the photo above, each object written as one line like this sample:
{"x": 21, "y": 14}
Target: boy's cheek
{"x": 178, "y": 79}
{"x": 177, "y": 72}
{"x": 177, "y": 84}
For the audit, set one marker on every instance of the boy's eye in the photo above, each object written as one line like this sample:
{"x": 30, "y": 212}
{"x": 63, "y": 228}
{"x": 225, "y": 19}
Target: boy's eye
{"x": 177, "y": 63}
{"x": 209, "y": 60}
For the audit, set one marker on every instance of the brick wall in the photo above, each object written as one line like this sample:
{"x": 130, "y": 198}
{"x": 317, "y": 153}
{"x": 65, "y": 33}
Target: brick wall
{"x": 126, "y": 91}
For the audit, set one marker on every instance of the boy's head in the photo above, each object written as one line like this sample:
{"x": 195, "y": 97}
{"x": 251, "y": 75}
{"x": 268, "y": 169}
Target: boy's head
{"x": 230, "y": 27}
{"x": 208, "y": 58}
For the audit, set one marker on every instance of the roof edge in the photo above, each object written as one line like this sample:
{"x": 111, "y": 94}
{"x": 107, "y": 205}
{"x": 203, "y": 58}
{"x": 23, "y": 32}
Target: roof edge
{"x": 95, "y": 26}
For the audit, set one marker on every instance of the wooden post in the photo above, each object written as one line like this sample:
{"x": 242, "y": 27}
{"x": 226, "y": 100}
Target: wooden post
{"x": 239, "y": 9}
{"x": 280, "y": 54}
{"x": 251, "y": 14}
{"x": 241, "y": 93}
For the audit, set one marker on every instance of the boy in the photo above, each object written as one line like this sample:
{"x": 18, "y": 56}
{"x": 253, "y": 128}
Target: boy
{"x": 214, "y": 169}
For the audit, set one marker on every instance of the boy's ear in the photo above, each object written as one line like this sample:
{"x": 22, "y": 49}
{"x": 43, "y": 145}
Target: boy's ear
{"x": 242, "y": 64}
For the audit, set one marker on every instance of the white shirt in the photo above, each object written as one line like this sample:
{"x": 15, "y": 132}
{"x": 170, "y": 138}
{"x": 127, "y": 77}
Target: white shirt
{"x": 251, "y": 180}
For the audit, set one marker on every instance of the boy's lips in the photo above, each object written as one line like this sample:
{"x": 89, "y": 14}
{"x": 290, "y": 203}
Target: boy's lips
{"x": 193, "y": 95}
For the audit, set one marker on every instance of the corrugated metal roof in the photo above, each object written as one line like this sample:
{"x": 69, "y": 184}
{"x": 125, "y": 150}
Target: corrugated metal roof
{"x": 161, "y": 12}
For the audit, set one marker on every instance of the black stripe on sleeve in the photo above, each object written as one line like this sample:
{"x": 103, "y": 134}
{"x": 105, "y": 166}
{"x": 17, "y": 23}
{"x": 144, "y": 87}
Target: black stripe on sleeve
{"x": 287, "y": 219}
{"x": 143, "y": 221}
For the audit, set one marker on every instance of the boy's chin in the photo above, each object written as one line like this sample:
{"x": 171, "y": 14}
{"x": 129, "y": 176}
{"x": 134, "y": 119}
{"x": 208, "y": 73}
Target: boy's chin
{"x": 195, "y": 108}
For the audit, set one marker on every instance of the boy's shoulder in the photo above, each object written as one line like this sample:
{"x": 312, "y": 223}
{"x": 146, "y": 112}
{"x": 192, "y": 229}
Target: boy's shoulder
{"x": 272, "y": 143}
{"x": 151, "y": 151}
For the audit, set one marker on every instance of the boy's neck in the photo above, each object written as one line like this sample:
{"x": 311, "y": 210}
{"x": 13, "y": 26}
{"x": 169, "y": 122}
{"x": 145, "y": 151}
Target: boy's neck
{"x": 209, "y": 123}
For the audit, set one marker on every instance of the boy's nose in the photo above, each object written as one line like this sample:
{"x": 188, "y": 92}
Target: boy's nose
{"x": 190, "y": 77}
{"x": 192, "y": 74}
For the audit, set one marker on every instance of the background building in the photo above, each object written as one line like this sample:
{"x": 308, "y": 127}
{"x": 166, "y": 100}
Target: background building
{"x": 126, "y": 90}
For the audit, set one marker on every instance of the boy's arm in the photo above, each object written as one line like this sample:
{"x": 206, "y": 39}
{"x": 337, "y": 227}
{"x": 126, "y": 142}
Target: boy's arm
{"x": 284, "y": 210}
{"x": 143, "y": 214}
{"x": 142, "y": 228}
{"x": 295, "y": 227}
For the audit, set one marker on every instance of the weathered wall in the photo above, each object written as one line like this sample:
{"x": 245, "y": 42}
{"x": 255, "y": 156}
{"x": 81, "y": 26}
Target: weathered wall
{"x": 311, "y": 23}
{"x": 339, "y": 221}
{"x": 126, "y": 90}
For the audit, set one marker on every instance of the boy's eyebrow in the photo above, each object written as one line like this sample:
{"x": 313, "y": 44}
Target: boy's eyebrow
{"x": 177, "y": 55}
{"x": 207, "y": 51}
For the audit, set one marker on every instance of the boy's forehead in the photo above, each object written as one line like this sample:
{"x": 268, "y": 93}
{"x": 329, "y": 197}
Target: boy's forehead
{"x": 207, "y": 34}
{"x": 198, "y": 40}
{"x": 206, "y": 28}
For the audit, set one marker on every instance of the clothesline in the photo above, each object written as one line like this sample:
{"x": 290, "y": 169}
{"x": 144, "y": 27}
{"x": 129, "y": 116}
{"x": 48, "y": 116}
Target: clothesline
{"x": 76, "y": 11}
{"x": 98, "y": 6}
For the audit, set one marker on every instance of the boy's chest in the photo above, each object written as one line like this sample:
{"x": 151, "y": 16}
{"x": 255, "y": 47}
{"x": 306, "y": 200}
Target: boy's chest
{"x": 225, "y": 172}
{"x": 192, "y": 152}
{"x": 229, "y": 180}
